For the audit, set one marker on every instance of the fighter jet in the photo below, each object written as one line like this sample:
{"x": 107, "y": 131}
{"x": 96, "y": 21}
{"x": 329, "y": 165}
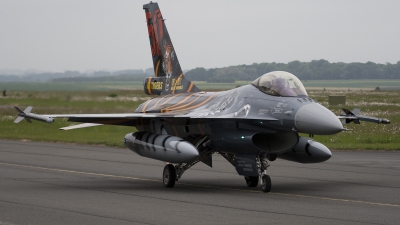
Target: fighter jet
{"x": 249, "y": 126}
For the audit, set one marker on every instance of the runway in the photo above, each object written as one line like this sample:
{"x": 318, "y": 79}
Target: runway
{"x": 46, "y": 183}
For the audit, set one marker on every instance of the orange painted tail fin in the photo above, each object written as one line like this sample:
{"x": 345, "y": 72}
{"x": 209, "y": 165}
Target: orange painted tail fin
{"x": 169, "y": 78}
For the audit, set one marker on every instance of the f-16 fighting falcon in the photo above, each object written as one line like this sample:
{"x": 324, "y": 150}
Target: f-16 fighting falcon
{"x": 249, "y": 125}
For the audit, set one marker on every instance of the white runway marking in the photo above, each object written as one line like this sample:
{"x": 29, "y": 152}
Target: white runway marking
{"x": 221, "y": 188}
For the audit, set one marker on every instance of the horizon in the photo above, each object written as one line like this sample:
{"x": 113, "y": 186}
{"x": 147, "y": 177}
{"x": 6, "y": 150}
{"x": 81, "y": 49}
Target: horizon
{"x": 96, "y": 34}
{"x": 90, "y": 71}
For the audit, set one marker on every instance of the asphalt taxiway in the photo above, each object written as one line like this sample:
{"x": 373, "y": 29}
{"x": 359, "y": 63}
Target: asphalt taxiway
{"x": 46, "y": 183}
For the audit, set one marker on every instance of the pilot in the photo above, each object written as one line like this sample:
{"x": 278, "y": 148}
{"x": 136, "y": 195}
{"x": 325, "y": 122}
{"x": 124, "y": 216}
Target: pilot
{"x": 282, "y": 87}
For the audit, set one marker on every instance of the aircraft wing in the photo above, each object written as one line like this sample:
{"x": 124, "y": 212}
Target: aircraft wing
{"x": 111, "y": 119}
{"x": 131, "y": 119}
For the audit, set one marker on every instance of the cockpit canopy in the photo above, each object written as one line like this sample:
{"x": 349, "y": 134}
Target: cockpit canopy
{"x": 280, "y": 83}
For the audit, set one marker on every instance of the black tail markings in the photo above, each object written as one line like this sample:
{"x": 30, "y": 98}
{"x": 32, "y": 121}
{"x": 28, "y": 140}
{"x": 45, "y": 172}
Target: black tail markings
{"x": 169, "y": 77}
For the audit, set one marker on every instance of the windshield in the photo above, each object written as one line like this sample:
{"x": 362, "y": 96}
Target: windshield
{"x": 280, "y": 83}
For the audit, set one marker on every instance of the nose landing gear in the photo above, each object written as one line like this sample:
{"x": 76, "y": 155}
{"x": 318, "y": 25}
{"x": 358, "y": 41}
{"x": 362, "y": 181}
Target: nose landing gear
{"x": 266, "y": 183}
{"x": 262, "y": 165}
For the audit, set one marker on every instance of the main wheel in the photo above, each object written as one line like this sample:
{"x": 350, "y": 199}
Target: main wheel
{"x": 266, "y": 183}
{"x": 251, "y": 181}
{"x": 169, "y": 176}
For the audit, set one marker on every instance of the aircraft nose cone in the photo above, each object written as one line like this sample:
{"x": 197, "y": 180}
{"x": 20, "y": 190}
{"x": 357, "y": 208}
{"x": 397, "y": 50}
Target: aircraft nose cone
{"x": 316, "y": 119}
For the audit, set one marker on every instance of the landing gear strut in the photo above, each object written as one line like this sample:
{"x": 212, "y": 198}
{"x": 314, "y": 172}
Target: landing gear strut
{"x": 173, "y": 173}
{"x": 262, "y": 165}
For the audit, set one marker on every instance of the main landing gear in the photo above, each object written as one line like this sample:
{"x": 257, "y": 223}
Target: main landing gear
{"x": 265, "y": 182}
{"x": 251, "y": 181}
{"x": 173, "y": 173}
{"x": 169, "y": 176}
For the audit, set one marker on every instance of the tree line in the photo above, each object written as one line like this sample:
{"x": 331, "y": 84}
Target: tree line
{"x": 122, "y": 77}
{"x": 314, "y": 70}
{"x": 76, "y": 76}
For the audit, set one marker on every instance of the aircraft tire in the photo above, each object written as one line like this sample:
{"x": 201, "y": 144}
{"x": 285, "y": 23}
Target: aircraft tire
{"x": 251, "y": 181}
{"x": 272, "y": 157}
{"x": 169, "y": 176}
{"x": 266, "y": 184}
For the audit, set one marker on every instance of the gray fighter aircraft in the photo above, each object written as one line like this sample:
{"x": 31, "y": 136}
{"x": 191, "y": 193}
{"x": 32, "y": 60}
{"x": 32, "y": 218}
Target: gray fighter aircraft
{"x": 248, "y": 125}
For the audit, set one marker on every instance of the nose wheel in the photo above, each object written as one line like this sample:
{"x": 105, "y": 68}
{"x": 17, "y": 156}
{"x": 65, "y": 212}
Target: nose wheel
{"x": 266, "y": 183}
{"x": 169, "y": 176}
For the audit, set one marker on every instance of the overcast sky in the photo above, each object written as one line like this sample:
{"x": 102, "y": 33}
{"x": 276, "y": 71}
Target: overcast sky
{"x": 81, "y": 35}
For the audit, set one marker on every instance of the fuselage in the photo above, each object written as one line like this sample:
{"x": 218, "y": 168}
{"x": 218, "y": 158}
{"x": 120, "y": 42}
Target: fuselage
{"x": 266, "y": 117}
{"x": 180, "y": 103}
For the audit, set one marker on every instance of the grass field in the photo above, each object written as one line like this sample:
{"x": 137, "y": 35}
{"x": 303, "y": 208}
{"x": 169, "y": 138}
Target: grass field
{"x": 364, "y": 136}
{"x": 352, "y": 84}
{"x": 51, "y": 102}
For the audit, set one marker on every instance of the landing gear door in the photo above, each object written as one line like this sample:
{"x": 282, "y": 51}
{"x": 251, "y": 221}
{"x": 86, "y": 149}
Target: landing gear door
{"x": 246, "y": 165}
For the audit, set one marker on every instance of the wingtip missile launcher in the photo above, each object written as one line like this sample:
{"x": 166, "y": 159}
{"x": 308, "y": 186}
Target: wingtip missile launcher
{"x": 28, "y": 116}
{"x": 355, "y": 117}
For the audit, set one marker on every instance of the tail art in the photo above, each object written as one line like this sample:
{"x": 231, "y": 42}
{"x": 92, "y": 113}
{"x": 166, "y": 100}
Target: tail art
{"x": 169, "y": 77}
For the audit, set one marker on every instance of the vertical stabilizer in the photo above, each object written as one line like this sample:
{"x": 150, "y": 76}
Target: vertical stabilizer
{"x": 165, "y": 61}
